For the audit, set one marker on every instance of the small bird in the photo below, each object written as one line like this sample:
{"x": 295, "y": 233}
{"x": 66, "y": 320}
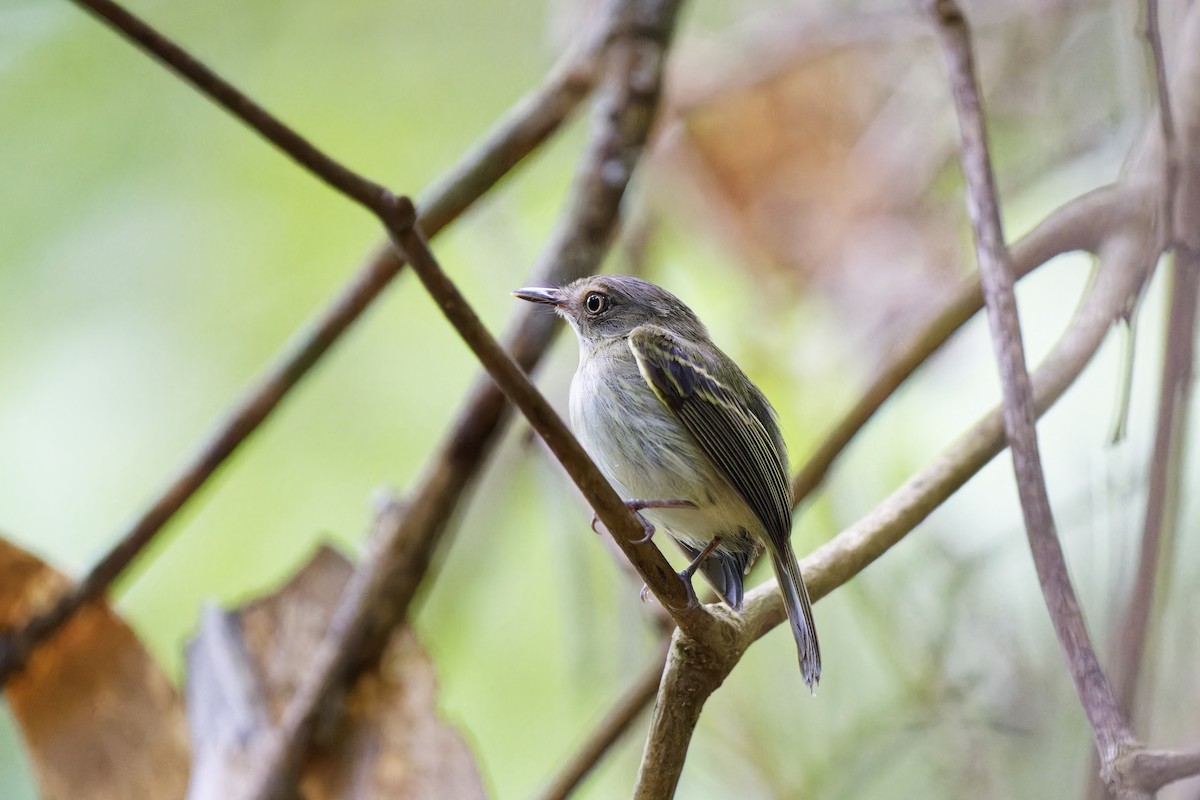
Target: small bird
{"x": 677, "y": 427}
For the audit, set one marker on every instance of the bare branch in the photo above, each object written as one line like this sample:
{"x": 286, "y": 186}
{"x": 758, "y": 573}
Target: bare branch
{"x": 692, "y": 673}
{"x": 1150, "y": 770}
{"x": 607, "y": 732}
{"x": 1111, "y": 732}
{"x": 1166, "y": 475}
{"x": 1080, "y": 224}
{"x": 527, "y": 125}
{"x": 214, "y": 87}
{"x": 1166, "y": 120}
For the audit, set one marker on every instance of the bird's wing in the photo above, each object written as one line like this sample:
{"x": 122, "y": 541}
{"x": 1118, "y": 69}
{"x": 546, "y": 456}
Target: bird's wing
{"x": 739, "y": 436}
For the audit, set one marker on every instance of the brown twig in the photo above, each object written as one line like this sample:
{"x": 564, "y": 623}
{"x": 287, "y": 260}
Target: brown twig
{"x": 526, "y": 126}
{"x": 1077, "y": 225}
{"x": 1112, "y": 734}
{"x": 607, "y": 732}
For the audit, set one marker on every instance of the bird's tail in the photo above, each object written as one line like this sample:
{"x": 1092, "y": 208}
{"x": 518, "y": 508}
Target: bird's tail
{"x": 799, "y": 611}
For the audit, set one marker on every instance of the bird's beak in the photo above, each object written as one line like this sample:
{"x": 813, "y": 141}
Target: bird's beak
{"x": 552, "y": 297}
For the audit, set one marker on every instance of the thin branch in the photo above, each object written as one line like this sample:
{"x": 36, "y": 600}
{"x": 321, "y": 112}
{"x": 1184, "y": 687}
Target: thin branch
{"x": 1080, "y": 224}
{"x": 607, "y": 732}
{"x": 692, "y": 673}
{"x": 1166, "y": 475}
{"x": 1111, "y": 732}
{"x": 1151, "y": 770}
{"x": 533, "y": 119}
{"x": 1166, "y": 121}
{"x": 217, "y": 89}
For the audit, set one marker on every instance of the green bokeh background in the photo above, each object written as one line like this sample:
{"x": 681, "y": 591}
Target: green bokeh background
{"x": 154, "y": 255}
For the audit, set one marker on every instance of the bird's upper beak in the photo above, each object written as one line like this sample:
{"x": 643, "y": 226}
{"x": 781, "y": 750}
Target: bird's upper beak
{"x": 552, "y": 297}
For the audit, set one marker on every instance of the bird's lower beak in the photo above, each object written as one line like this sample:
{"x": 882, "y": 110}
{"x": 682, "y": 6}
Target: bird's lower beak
{"x": 552, "y": 297}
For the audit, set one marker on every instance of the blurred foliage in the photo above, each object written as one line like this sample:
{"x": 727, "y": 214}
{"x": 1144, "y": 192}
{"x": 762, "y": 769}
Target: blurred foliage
{"x": 156, "y": 255}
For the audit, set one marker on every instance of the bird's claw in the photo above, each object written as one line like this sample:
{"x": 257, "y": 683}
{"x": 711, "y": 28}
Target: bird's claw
{"x": 637, "y": 506}
{"x": 686, "y": 576}
{"x": 647, "y": 526}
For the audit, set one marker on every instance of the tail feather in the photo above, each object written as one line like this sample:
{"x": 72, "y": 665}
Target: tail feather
{"x": 799, "y": 611}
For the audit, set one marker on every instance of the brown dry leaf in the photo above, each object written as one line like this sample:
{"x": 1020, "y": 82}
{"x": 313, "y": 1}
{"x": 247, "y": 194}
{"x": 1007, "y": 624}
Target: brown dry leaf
{"x": 98, "y": 716}
{"x": 388, "y": 742}
{"x": 392, "y": 743}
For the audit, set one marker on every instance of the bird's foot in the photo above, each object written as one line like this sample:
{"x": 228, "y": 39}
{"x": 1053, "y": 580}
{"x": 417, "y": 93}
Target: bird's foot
{"x": 636, "y": 506}
{"x": 689, "y": 571}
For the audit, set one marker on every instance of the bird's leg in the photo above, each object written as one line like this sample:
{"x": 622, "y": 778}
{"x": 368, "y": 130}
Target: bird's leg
{"x": 691, "y": 568}
{"x": 637, "y": 506}
{"x": 689, "y": 571}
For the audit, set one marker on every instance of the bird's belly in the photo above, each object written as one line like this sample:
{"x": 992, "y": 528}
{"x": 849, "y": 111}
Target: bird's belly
{"x": 647, "y": 454}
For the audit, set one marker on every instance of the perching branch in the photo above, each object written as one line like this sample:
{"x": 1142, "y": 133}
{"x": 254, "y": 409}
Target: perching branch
{"x": 529, "y": 123}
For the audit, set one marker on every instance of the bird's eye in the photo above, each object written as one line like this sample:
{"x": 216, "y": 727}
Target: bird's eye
{"x": 596, "y": 303}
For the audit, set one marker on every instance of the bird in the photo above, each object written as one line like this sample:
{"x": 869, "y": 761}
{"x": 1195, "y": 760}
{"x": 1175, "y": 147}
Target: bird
{"x": 685, "y": 436}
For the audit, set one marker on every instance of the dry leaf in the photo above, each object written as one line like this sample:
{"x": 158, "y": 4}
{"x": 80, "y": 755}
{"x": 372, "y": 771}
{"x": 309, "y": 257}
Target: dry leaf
{"x": 98, "y": 716}
{"x": 246, "y": 665}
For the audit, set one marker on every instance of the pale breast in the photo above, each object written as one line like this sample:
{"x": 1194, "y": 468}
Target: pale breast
{"x": 647, "y": 454}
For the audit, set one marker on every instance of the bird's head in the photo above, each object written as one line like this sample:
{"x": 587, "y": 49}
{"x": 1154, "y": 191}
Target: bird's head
{"x": 605, "y": 307}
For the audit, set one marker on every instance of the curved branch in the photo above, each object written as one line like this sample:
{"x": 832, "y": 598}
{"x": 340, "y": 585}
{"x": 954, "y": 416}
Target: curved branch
{"x": 1110, "y": 729}
{"x": 1080, "y": 224}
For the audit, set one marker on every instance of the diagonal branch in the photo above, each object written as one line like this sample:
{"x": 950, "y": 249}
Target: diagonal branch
{"x": 1166, "y": 475}
{"x": 1166, "y": 120}
{"x": 1110, "y": 730}
{"x": 529, "y": 123}
{"x": 1080, "y": 224}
